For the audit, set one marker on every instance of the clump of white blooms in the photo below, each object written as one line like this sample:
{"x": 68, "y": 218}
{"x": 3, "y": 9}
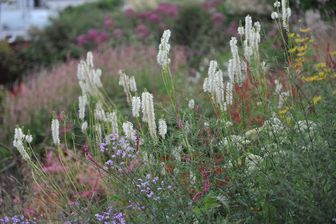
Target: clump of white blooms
{"x": 252, "y": 38}
{"x": 112, "y": 118}
{"x": 191, "y": 104}
{"x": 19, "y": 139}
{"x": 281, "y": 94}
{"x": 148, "y": 114}
{"x": 286, "y": 13}
{"x": 162, "y": 128}
{"x": 88, "y": 76}
{"x": 128, "y": 84}
{"x": 274, "y": 15}
{"x": 55, "y": 131}
{"x": 273, "y": 125}
{"x": 252, "y": 161}
{"x": 128, "y": 130}
{"x": 82, "y": 101}
{"x": 136, "y": 105}
{"x": 241, "y": 30}
{"x": 214, "y": 84}
{"x": 164, "y": 48}
{"x": 99, "y": 112}
{"x": 84, "y": 126}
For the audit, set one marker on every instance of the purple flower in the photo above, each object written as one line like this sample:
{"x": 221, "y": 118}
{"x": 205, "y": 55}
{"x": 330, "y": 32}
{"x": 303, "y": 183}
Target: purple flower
{"x": 129, "y": 12}
{"x": 154, "y": 18}
{"x": 218, "y": 19}
{"x": 167, "y": 9}
{"x": 142, "y": 31}
{"x": 81, "y": 40}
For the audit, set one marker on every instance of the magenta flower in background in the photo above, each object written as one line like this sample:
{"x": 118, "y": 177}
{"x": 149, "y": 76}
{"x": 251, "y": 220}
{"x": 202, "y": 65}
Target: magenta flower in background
{"x": 211, "y": 4}
{"x": 142, "y": 31}
{"x": 217, "y": 19}
{"x": 129, "y": 12}
{"x": 92, "y": 34}
{"x": 118, "y": 33}
{"x": 232, "y": 29}
{"x": 108, "y": 22}
{"x": 167, "y": 9}
{"x": 153, "y": 17}
{"x": 101, "y": 37}
{"x": 81, "y": 40}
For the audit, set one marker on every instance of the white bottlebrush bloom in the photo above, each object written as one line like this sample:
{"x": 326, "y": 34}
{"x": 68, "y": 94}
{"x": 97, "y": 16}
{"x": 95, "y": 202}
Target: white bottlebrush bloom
{"x": 112, "y": 117}
{"x": 191, "y": 104}
{"x": 55, "y": 131}
{"x": 128, "y": 130}
{"x": 241, "y": 31}
{"x": 235, "y": 64}
{"x": 148, "y": 112}
{"x": 229, "y": 94}
{"x": 136, "y": 105}
{"x": 214, "y": 84}
{"x": 164, "y": 48}
{"x": 162, "y": 128}
{"x": 276, "y": 4}
{"x": 124, "y": 81}
{"x": 132, "y": 84}
{"x": 82, "y": 101}
{"x": 286, "y": 13}
{"x": 274, "y": 15}
{"x": 19, "y": 137}
{"x": 84, "y": 126}
{"x": 99, "y": 112}
{"x": 88, "y": 77}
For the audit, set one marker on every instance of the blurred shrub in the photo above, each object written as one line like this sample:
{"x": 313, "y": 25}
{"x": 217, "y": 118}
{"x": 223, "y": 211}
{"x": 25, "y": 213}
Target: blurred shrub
{"x": 326, "y": 7}
{"x": 10, "y": 67}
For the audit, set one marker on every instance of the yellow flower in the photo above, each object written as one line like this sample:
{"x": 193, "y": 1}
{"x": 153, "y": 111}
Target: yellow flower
{"x": 333, "y": 53}
{"x": 321, "y": 65}
{"x": 301, "y": 54}
{"x": 313, "y": 78}
{"x": 303, "y": 48}
{"x": 305, "y": 30}
{"x": 291, "y": 35}
{"x": 292, "y": 50}
{"x": 283, "y": 110}
{"x": 316, "y": 99}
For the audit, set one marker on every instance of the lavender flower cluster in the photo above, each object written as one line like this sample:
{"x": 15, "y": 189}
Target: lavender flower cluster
{"x": 19, "y": 219}
{"x": 151, "y": 187}
{"x": 119, "y": 150}
{"x": 110, "y": 216}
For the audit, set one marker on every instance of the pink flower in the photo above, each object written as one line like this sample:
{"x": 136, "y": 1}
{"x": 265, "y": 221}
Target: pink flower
{"x": 167, "y": 9}
{"x": 118, "y": 33}
{"x": 153, "y": 17}
{"x": 129, "y": 12}
{"x": 108, "y": 22}
{"x": 81, "y": 40}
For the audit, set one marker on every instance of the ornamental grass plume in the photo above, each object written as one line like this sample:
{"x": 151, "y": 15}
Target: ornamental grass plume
{"x": 55, "y": 131}
{"x": 128, "y": 84}
{"x": 148, "y": 114}
{"x": 164, "y": 48}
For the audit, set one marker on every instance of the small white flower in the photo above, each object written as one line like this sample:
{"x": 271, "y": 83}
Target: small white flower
{"x": 55, "y": 131}
{"x": 99, "y": 112}
{"x": 84, "y": 126}
{"x": 162, "y": 128}
{"x": 191, "y": 104}
{"x": 29, "y": 138}
{"x": 241, "y": 31}
{"x": 289, "y": 12}
{"x": 164, "y": 47}
{"x": 276, "y": 4}
{"x": 136, "y": 105}
{"x": 18, "y": 143}
{"x": 274, "y": 15}
{"x": 112, "y": 117}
